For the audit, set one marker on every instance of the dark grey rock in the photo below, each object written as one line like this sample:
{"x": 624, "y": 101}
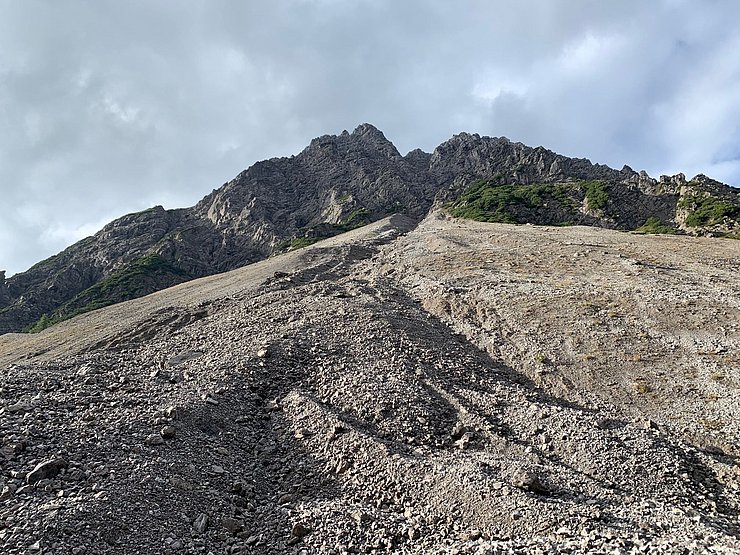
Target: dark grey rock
{"x": 45, "y": 470}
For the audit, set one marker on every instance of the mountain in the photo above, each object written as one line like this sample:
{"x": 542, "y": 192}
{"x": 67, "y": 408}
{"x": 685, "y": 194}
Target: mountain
{"x": 416, "y": 387}
{"x": 339, "y": 183}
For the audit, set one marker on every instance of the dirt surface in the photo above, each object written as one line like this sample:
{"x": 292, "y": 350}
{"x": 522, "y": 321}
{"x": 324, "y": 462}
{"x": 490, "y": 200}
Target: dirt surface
{"x": 455, "y": 388}
{"x": 649, "y": 323}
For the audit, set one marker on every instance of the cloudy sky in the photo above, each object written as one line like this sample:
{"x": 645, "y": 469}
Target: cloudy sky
{"x": 109, "y": 106}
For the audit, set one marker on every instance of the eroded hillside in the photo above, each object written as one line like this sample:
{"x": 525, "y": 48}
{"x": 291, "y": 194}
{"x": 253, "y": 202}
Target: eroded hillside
{"x": 457, "y": 387}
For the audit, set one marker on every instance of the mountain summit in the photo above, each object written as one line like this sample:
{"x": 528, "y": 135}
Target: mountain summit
{"x": 341, "y": 182}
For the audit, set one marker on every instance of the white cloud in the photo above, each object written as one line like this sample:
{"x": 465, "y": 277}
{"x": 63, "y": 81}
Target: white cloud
{"x": 59, "y": 235}
{"x": 106, "y": 106}
{"x": 590, "y": 53}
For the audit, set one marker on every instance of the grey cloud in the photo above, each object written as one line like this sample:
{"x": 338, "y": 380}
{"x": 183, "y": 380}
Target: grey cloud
{"x": 109, "y": 107}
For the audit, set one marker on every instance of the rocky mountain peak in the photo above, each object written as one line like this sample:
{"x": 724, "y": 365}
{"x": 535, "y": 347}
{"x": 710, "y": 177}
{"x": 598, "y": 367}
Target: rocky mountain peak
{"x": 365, "y": 139}
{"x": 371, "y": 135}
{"x": 369, "y": 130}
{"x": 338, "y": 183}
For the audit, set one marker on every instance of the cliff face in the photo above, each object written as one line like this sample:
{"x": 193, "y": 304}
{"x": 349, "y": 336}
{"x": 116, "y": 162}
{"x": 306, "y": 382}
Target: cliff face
{"x": 339, "y": 183}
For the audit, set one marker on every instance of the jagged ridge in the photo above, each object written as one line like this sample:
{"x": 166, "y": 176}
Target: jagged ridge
{"x": 339, "y": 182}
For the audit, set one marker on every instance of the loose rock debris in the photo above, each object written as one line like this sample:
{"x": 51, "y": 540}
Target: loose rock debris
{"x": 333, "y": 413}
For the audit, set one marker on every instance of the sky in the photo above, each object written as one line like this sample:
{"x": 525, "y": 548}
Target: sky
{"x": 110, "y": 107}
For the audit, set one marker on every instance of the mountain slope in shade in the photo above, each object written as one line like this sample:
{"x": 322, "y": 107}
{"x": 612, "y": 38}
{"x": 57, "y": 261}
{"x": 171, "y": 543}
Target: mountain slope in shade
{"x": 341, "y": 182}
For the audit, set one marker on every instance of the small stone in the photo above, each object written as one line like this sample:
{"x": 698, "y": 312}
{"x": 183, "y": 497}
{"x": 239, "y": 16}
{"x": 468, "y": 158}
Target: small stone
{"x": 168, "y": 432}
{"x": 336, "y": 430}
{"x": 181, "y": 483}
{"x": 24, "y": 489}
{"x": 649, "y": 424}
{"x": 16, "y": 448}
{"x": 528, "y": 481}
{"x": 200, "y": 523}
{"x": 360, "y": 516}
{"x": 458, "y": 431}
{"x": 233, "y": 525}
{"x": 18, "y": 407}
{"x": 45, "y": 470}
{"x": 299, "y": 531}
{"x": 217, "y": 469}
{"x": 7, "y": 492}
{"x": 263, "y": 353}
{"x": 464, "y": 440}
{"x": 153, "y": 439}
{"x": 712, "y": 449}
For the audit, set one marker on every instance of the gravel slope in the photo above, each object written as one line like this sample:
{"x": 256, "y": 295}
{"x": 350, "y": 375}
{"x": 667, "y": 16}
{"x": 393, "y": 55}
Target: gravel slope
{"x": 356, "y": 402}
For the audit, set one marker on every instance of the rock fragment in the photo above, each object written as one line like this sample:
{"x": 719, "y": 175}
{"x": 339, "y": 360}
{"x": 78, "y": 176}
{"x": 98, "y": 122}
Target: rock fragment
{"x": 299, "y": 531}
{"x": 45, "y": 470}
{"x": 18, "y": 407}
{"x": 528, "y": 481}
{"x": 200, "y": 524}
{"x": 153, "y": 439}
{"x": 234, "y": 526}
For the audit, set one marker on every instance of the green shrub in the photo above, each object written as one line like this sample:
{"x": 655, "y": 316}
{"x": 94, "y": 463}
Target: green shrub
{"x": 708, "y": 210}
{"x": 40, "y": 324}
{"x": 596, "y": 194}
{"x": 140, "y": 277}
{"x": 295, "y": 244}
{"x": 656, "y": 226}
{"x": 493, "y": 201}
{"x": 488, "y": 201}
{"x": 356, "y": 218}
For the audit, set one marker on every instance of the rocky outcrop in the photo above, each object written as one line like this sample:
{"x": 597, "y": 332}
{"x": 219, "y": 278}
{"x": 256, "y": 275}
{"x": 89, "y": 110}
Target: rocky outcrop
{"x": 335, "y": 184}
{"x": 4, "y": 295}
{"x": 472, "y": 156}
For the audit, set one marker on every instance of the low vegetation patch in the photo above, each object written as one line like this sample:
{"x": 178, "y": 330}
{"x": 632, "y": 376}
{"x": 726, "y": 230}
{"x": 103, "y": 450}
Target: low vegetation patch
{"x": 488, "y": 201}
{"x": 708, "y": 210}
{"x": 513, "y": 203}
{"x": 656, "y": 226}
{"x": 355, "y": 219}
{"x": 596, "y": 194}
{"x": 297, "y": 243}
{"x": 145, "y": 275}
